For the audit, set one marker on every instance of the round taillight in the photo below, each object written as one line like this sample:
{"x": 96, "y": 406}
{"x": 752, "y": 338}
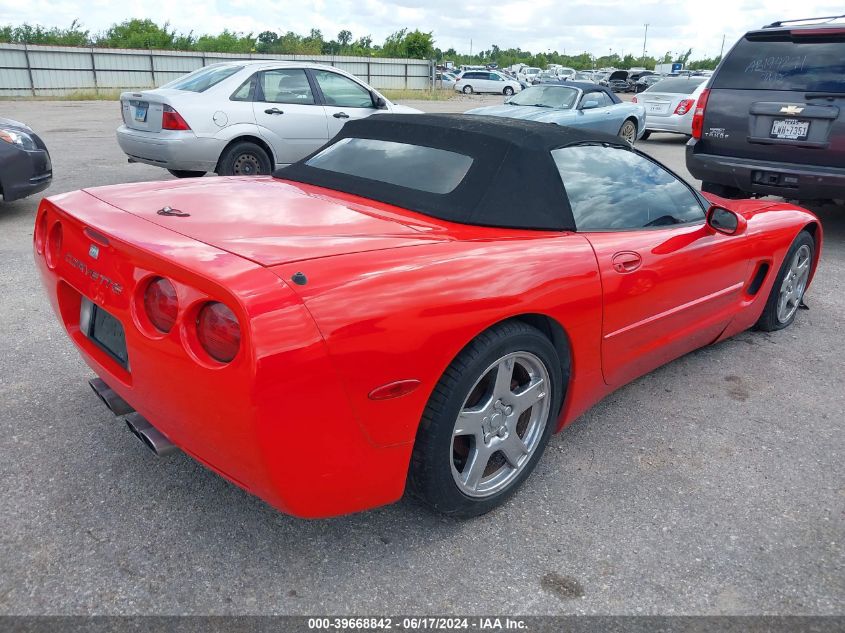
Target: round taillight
{"x": 54, "y": 245}
{"x": 161, "y": 304}
{"x": 218, "y": 331}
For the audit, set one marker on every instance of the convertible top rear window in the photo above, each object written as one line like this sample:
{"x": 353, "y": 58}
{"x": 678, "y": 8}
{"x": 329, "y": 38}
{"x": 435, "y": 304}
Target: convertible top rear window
{"x": 412, "y": 166}
{"x": 484, "y": 171}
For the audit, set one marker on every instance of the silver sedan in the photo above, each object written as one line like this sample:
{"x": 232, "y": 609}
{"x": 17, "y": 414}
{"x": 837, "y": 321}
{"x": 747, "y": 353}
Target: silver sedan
{"x": 670, "y": 104}
{"x": 243, "y": 117}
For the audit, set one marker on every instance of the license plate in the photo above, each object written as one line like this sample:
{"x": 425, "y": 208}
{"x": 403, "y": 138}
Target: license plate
{"x": 141, "y": 113}
{"x": 104, "y": 330}
{"x": 790, "y": 129}
{"x": 657, "y": 108}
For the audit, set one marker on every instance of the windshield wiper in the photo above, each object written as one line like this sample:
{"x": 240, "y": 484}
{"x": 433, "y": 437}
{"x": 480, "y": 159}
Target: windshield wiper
{"x": 540, "y": 105}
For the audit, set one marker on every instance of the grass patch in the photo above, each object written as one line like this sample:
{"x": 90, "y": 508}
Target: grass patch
{"x": 76, "y": 95}
{"x": 418, "y": 95}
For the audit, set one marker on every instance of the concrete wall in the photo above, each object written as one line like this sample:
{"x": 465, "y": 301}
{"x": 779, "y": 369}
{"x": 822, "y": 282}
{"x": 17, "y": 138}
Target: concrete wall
{"x": 56, "y": 70}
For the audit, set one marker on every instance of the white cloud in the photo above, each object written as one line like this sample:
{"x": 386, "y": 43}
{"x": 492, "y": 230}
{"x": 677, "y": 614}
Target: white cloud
{"x": 595, "y": 26}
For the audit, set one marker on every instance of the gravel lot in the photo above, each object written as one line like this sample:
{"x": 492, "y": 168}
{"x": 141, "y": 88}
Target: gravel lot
{"x": 714, "y": 485}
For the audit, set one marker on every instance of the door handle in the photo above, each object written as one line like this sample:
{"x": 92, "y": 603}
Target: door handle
{"x": 340, "y": 115}
{"x": 273, "y": 111}
{"x": 626, "y": 261}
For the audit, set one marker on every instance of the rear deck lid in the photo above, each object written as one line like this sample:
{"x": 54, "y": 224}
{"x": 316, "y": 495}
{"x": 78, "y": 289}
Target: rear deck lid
{"x": 268, "y": 221}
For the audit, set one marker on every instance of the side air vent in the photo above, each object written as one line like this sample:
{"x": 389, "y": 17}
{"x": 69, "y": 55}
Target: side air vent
{"x": 759, "y": 277}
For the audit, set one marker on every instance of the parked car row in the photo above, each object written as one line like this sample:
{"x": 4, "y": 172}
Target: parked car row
{"x": 249, "y": 117}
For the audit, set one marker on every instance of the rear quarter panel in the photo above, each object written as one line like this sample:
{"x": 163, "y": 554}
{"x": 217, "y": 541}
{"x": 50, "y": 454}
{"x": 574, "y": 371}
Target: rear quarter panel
{"x": 407, "y": 313}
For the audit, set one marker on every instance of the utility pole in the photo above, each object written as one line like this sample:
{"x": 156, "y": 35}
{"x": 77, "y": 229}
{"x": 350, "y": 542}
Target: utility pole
{"x": 722, "y": 50}
{"x": 645, "y": 37}
{"x": 470, "y": 48}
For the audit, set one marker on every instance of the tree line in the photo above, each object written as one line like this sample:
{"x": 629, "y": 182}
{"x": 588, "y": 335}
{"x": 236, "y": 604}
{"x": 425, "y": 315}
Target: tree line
{"x": 416, "y": 44}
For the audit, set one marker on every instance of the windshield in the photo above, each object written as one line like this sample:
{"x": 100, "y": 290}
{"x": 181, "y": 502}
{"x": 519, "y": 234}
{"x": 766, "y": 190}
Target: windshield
{"x": 546, "y": 96}
{"x": 204, "y": 78}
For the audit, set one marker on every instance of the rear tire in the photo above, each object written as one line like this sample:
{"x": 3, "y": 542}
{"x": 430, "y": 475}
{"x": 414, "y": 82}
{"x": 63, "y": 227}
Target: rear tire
{"x": 467, "y": 90}
{"x": 477, "y": 440}
{"x": 787, "y": 292}
{"x": 184, "y": 173}
{"x": 244, "y": 159}
{"x": 723, "y": 191}
{"x": 628, "y": 132}
{"x": 508, "y": 91}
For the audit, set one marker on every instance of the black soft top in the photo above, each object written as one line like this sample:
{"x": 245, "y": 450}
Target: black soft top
{"x": 513, "y": 181}
{"x": 587, "y": 86}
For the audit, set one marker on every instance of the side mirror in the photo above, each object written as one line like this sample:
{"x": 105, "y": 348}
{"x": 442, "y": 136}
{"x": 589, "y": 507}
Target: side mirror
{"x": 725, "y": 221}
{"x": 378, "y": 102}
{"x": 589, "y": 105}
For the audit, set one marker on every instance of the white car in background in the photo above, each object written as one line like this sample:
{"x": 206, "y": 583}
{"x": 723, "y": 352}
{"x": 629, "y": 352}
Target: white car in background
{"x": 670, "y": 104}
{"x": 564, "y": 72}
{"x": 243, "y": 117}
{"x": 445, "y": 79}
{"x": 486, "y": 81}
{"x": 528, "y": 73}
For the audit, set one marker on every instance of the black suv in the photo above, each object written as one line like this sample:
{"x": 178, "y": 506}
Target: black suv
{"x": 772, "y": 120}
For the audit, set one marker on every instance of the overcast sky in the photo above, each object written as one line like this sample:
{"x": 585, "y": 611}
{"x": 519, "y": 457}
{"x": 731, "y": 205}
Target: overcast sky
{"x": 539, "y": 25}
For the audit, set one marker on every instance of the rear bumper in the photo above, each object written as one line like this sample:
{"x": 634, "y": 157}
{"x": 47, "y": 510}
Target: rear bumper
{"x": 24, "y": 172}
{"x": 674, "y": 124}
{"x": 787, "y": 180}
{"x": 171, "y": 150}
{"x": 276, "y": 421}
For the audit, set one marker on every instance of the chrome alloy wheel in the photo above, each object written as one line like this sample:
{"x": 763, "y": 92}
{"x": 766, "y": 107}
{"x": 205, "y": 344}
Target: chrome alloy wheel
{"x": 794, "y": 284}
{"x": 501, "y": 423}
{"x": 247, "y": 165}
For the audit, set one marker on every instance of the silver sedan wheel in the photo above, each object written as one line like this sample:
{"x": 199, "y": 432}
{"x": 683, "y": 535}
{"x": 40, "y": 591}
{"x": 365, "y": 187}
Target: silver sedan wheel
{"x": 794, "y": 284}
{"x": 247, "y": 165}
{"x": 500, "y": 424}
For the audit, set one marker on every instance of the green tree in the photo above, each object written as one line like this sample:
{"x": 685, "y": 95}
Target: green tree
{"x": 137, "y": 33}
{"x": 419, "y": 45}
{"x": 267, "y": 42}
{"x": 226, "y": 42}
{"x": 344, "y": 38}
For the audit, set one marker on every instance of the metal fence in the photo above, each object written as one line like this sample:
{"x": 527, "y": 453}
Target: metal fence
{"x": 58, "y": 70}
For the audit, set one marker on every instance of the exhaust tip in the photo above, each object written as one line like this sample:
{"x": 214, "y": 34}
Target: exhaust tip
{"x": 114, "y": 402}
{"x": 152, "y": 438}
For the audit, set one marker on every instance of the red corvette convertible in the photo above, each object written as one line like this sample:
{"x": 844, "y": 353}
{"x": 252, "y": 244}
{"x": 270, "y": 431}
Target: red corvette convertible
{"x": 399, "y": 309}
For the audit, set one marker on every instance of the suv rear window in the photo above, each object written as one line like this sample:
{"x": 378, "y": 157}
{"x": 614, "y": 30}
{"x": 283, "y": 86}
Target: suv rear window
{"x": 413, "y": 166}
{"x": 203, "y": 79}
{"x": 783, "y": 62}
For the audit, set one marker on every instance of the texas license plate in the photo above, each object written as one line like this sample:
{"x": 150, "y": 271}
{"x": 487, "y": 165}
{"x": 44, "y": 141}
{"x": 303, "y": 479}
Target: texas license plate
{"x": 141, "y": 113}
{"x": 790, "y": 129}
{"x": 104, "y": 330}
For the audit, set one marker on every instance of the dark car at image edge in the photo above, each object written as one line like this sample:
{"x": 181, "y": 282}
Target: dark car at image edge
{"x": 25, "y": 166}
{"x": 772, "y": 121}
